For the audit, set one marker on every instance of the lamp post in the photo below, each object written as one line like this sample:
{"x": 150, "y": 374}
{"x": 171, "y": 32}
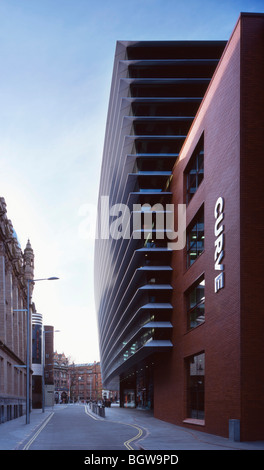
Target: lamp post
{"x": 28, "y": 338}
{"x": 79, "y": 380}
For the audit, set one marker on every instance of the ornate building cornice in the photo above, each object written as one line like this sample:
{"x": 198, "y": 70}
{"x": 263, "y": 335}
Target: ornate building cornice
{"x": 21, "y": 264}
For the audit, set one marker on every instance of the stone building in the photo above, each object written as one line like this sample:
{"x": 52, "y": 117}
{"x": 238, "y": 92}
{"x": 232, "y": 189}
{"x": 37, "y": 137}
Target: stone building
{"x": 16, "y": 267}
{"x": 61, "y": 377}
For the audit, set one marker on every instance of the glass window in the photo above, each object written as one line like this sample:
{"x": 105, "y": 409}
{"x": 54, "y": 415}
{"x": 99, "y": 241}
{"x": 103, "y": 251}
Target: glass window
{"x": 195, "y": 171}
{"x": 195, "y": 305}
{"x": 195, "y": 239}
{"x": 195, "y": 386}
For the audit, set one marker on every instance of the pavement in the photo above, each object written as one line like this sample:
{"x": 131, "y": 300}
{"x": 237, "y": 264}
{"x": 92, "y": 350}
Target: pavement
{"x": 14, "y": 432}
{"x": 161, "y": 435}
{"x": 157, "y": 434}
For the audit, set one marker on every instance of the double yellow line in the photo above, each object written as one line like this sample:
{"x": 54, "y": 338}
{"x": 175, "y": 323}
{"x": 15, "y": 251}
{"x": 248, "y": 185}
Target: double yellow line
{"x": 126, "y": 443}
{"x": 96, "y": 418}
{"x": 27, "y": 446}
{"x": 140, "y": 432}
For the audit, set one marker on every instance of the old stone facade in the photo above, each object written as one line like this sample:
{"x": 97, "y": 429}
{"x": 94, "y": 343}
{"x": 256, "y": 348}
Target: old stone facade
{"x": 61, "y": 377}
{"x": 16, "y": 266}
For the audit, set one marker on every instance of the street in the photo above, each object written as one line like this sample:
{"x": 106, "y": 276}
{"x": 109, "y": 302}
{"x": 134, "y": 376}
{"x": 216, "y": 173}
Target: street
{"x": 74, "y": 427}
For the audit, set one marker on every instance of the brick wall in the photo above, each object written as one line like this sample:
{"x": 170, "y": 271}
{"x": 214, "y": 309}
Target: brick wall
{"x": 230, "y": 335}
{"x": 252, "y": 227}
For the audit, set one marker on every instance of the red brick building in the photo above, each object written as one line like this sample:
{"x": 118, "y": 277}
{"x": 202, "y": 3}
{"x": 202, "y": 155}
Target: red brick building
{"x": 85, "y": 382}
{"x": 183, "y": 328}
{"x": 228, "y": 338}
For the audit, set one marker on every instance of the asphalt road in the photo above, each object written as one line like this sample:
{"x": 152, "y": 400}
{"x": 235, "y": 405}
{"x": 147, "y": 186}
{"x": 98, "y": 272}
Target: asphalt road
{"x": 73, "y": 427}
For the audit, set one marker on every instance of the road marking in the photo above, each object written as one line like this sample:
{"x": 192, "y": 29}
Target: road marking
{"x": 91, "y": 415}
{"x": 140, "y": 432}
{"x": 38, "y": 432}
{"x": 126, "y": 443}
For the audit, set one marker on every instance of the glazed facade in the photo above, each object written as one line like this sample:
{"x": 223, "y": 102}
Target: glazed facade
{"x": 181, "y": 327}
{"x": 37, "y": 360}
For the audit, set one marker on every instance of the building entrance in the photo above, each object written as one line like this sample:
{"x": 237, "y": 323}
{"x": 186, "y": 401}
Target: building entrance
{"x": 136, "y": 389}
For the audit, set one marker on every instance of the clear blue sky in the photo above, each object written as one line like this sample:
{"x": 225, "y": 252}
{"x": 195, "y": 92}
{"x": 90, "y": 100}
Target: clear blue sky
{"x": 56, "y": 61}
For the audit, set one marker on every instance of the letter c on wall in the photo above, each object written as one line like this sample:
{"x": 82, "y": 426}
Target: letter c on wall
{"x": 219, "y": 205}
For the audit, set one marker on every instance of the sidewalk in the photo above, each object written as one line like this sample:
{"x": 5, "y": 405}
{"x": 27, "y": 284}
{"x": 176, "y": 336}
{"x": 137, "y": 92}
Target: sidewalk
{"x": 165, "y": 436}
{"x": 13, "y": 433}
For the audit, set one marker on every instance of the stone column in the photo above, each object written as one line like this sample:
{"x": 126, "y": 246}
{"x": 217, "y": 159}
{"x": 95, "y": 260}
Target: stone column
{"x": 2, "y": 294}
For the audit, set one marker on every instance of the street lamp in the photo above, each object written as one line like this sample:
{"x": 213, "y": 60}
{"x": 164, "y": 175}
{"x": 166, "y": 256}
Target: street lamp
{"x": 79, "y": 380}
{"x": 28, "y": 345}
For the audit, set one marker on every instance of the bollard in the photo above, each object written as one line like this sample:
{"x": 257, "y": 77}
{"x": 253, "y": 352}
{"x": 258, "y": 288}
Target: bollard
{"x": 234, "y": 430}
{"x": 98, "y": 410}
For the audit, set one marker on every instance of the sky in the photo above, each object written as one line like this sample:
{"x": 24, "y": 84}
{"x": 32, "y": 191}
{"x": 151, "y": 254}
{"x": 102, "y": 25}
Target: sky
{"x": 56, "y": 61}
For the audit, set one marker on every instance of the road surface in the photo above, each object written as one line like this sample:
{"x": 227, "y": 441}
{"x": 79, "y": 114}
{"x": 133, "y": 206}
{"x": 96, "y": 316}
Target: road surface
{"x": 74, "y": 427}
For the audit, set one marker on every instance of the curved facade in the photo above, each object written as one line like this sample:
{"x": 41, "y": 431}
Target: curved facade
{"x": 182, "y": 326}
{"x": 157, "y": 88}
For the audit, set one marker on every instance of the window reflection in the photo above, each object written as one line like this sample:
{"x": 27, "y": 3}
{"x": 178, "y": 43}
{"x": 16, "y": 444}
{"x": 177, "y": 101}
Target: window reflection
{"x": 195, "y": 171}
{"x": 195, "y": 239}
{"x": 195, "y": 305}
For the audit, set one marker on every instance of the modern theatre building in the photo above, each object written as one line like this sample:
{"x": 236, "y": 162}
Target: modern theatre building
{"x": 180, "y": 308}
